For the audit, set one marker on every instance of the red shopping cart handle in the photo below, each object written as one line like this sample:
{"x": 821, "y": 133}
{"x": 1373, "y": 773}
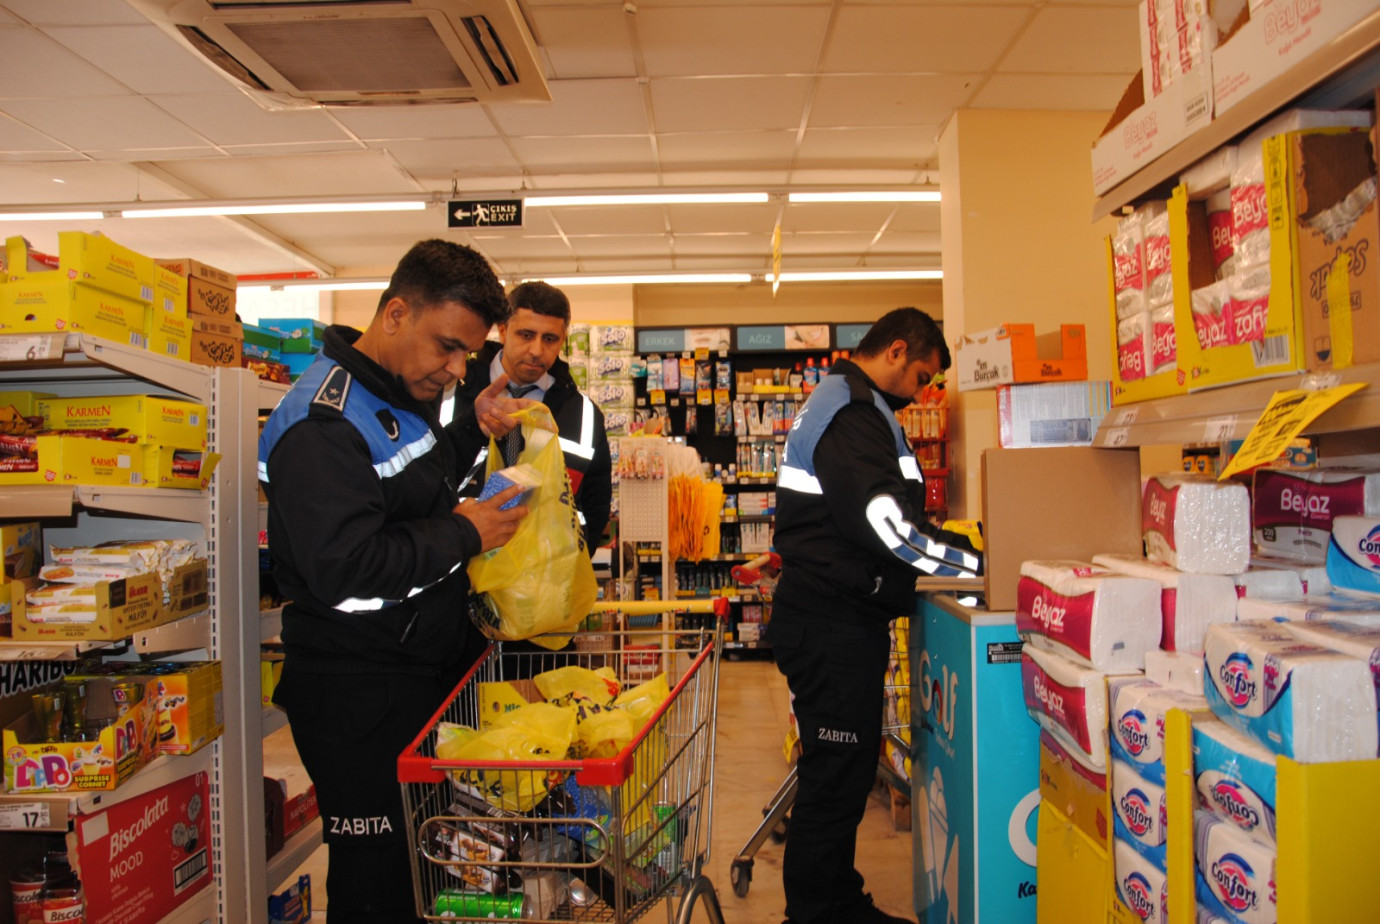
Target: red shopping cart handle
{"x": 751, "y": 572}
{"x": 721, "y": 607}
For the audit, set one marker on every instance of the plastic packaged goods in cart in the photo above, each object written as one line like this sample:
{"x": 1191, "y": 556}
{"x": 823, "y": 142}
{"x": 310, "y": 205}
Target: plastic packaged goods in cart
{"x": 575, "y": 786}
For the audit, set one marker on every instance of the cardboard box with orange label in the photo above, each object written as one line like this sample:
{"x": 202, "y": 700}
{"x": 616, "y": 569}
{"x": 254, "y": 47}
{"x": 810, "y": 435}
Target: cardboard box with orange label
{"x": 47, "y": 302}
{"x": 156, "y": 419}
{"x": 53, "y": 458}
{"x": 1014, "y": 353}
{"x": 169, "y": 292}
{"x": 92, "y": 260}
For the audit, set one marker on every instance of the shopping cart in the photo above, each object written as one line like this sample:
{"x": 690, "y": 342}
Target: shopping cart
{"x": 592, "y": 839}
{"x": 893, "y": 763}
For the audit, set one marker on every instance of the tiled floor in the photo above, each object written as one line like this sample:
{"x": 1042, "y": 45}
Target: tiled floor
{"x": 749, "y": 765}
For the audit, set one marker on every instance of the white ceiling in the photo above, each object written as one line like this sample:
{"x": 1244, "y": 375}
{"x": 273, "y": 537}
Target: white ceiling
{"x": 99, "y": 105}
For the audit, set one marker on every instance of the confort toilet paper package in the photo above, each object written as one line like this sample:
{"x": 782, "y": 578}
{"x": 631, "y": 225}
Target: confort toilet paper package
{"x": 1360, "y": 611}
{"x": 1069, "y": 701}
{"x": 1298, "y": 700}
{"x": 1189, "y": 603}
{"x": 1353, "y": 555}
{"x": 1238, "y": 870}
{"x": 1139, "y": 882}
{"x": 1139, "y": 804}
{"x": 1102, "y": 620}
{"x": 1235, "y": 777}
{"x": 1197, "y": 524}
{"x": 1137, "y": 721}
{"x": 1292, "y": 510}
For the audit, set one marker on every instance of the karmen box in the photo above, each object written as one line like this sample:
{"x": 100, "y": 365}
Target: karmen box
{"x": 23, "y": 403}
{"x": 45, "y": 302}
{"x": 54, "y": 458}
{"x": 157, "y": 419}
{"x": 188, "y": 469}
{"x": 92, "y": 260}
{"x": 1014, "y": 353}
{"x": 169, "y": 334}
{"x": 142, "y": 858}
{"x": 169, "y": 292}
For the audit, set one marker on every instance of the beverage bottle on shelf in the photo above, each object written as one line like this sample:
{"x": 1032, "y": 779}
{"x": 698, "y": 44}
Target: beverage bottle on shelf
{"x": 797, "y": 377}
{"x": 824, "y": 367}
{"x": 811, "y": 375}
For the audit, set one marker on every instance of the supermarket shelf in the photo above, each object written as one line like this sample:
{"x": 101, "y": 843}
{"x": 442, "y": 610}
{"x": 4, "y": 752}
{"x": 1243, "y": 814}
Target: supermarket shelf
{"x": 294, "y": 853}
{"x": 48, "y": 357}
{"x": 274, "y": 719}
{"x": 1340, "y": 73}
{"x": 270, "y": 393}
{"x": 763, "y": 438}
{"x": 42, "y": 500}
{"x": 772, "y": 396}
{"x": 746, "y": 646}
{"x": 201, "y": 908}
{"x": 186, "y": 634}
{"x": 21, "y": 650}
{"x": 1230, "y": 412}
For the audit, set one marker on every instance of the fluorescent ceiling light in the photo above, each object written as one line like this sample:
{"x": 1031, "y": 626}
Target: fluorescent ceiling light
{"x": 747, "y": 198}
{"x": 859, "y": 275}
{"x": 925, "y": 195}
{"x": 51, "y": 216}
{"x": 645, "y": 279}
{"x": 281, "y": 208}
{"x": 376, "y": 284}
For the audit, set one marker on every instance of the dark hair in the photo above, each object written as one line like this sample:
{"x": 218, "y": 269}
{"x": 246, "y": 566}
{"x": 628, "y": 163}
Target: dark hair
{"x": 434, "y": 272}
{"x": 920, "y": 332}
{"x": 541, "y": 298}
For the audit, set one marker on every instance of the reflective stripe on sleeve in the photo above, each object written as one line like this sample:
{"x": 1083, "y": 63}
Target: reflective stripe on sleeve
{"x": 910, "y": 468}
{"x": 585, "y": 447}
{"x": 914, "y": 547}
{"x": 405, "y": 456}
{"x": 793, "y": 478}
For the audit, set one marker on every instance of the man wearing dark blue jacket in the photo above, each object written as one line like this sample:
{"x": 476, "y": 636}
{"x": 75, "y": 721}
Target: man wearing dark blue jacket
{"x": 853, "y": 537}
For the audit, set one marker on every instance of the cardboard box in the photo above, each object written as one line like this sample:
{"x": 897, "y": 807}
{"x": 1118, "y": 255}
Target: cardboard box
{"x": 93, "y": 260}
{"x": 152, "y": 418}
{"x": 293, "y": 905}
{"x": 168, "y": 467}
{"x": 195, "y": 269}
{"x": 1079, "y": 793}
{"x": 1051, "y": 414}
{"x": 127, "y": 606}
{"x": 74, "y": 460}
{"x": 25, "y": 403}
{"x": 169, "y": 292}
{"x": 142, "y": 858}
{"x": 298, "y": 363}
{"x": 46, "y": 302}
{"x": 208, "y": 300}
{"x": 1140, "y": 131}
{"x": 216, "y": 343}
{"x": 22, "y": 547}
{"x": 191, "y": 707}
{"x": 1320, "y": 170}
{"x": 123, "y": 746}
{"x": 1157, "y": 384}
{"x": 262, "y": 343}
{"x": 11, "y": 602}
{"x": 1070, "y": 502}
{"x": 1013, "y": 353}
{"x": 169, "y": 335}
{"x": 299, "y": 335}
{"x": 1279, "y": 35}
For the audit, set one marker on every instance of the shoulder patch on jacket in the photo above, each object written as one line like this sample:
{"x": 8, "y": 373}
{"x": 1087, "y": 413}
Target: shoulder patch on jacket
{"x": 334, "y": 390}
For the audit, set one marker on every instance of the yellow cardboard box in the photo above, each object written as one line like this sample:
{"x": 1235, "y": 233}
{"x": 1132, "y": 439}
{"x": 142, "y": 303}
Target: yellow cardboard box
{"x": 155, "y": 419}
{"x": 11, "y": 602}
{"x": 46, "y": 302}
{"x": 127, "y": 606}
{"x": 25, "y": 403}
{"x": 170, "y": 335}
{"x": 73, "y": 460}
{"x": 91, "y": 259}
{"x": 166, "y": 467}
{"x": 22, "y": 545}
{"x": 1156, "y": 384}
{"x": 1080, "y": 794}
{"x": 169, "y": 292}
{"x": 191, "y": 707}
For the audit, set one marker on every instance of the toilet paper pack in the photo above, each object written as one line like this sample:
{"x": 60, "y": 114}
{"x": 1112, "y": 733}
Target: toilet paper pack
{"x": 1102, "y": 620}
{"x": 1189, "y": 603}
{"x": 1138, "y": 708}
{"x": 1069, "y": 701}
{"x": 1238, "y": 870}
{"x": 1139, "y": 804}
{"x": 1358, "y": 641}
{"x": 1140, "y": 884}
{"x": 1353, "y": 554}
{"x": 1310, "y": 578}
{"x": 1235, "y": 778}
{"x": 1292, "y": 510}
{"x": 1176, "y": 670}
{"x": 1360, "y": 611}
{"x": 1298, "y": 700}
{"x": 1197, "y": 524}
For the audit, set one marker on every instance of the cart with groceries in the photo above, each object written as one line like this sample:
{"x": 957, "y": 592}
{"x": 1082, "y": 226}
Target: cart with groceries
{"x": 575, "y": 784}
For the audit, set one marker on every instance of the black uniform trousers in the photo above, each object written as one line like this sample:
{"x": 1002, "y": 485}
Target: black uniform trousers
{"x": 349, "y": 726}
{"x": 836, "y": 673}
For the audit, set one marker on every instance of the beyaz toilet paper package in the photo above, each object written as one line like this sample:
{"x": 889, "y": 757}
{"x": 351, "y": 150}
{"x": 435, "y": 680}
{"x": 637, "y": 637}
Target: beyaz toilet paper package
{"x": 1138, "y": 709}
{"x": 1139, "y": 804}
{"x": 1353, "y": 554}
{"x": 1140, "y": 884}
{"x": 1239, "y": 872}
{"x": 1298, "y": 700}
{"x": 1282, "y": 579}
{"x": 1196, "y": 523}
{"x": 1189, "y": 603}
{"x": 1069, "y": 701}
{"x": 1102, "y": 620}
{"x": 1235, "y": 778}
{"x": 1292, "y": 510}
{"x": 1359, "y": 611}
{"x": 1176, "y": 670}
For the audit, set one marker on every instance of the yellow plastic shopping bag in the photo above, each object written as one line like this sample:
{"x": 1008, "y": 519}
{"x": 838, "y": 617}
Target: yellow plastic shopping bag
{"x": 541, "y": 581}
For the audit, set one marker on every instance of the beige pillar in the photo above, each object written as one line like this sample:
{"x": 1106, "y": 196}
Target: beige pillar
{"x": 1018, "y": 245}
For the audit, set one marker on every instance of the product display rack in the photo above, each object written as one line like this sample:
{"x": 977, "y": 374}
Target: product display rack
{"x": 81, "y": 364}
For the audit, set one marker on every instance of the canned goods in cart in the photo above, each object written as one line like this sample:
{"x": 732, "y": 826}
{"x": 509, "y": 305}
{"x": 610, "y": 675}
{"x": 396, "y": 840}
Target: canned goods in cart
{"x": 458, "y": 904}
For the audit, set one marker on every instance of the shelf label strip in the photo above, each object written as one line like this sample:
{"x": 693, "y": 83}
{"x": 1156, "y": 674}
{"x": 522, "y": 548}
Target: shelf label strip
{"x": 25, "y": 349}
{"x": 25, "y": 816}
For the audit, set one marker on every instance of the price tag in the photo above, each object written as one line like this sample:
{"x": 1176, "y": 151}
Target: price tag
{"x": 1128, "y": 416}
{"x": 1218, "y": 429}
{"x": 1117, "y": 436}
{"x": 24, "y": 816}
{"x": 22, "y": 349}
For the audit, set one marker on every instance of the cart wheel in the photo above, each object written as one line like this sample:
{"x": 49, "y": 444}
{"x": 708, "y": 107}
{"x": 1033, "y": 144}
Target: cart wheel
{"x": 778, "y": 833}
{"x": 741, "y": 876}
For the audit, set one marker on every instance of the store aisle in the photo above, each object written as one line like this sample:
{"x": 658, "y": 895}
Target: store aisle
{"x": 749, "y": 765}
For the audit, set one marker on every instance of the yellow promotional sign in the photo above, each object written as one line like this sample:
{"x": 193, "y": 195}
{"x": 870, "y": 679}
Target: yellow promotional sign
{"x": 1283, "y": 419}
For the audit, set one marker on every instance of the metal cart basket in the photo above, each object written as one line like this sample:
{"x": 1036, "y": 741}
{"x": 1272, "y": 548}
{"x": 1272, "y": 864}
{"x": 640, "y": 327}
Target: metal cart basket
{"x": 590, "y": 839}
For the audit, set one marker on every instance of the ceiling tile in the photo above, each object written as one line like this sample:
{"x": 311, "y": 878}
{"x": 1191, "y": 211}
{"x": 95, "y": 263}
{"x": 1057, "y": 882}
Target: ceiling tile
{"x": 233, "y": 118}
{"x": 74, "y": 12}
{"x": 906, "y": 243}
{"x": 565, "y": 182}
{"x": 522, "y": 245}
{"x": 17, "y": 138}
{"x": 613, "y": 245}
{"x": 577, "y": 221}
{"x": 866, "y": 217}
{"x": 897, "y": 99}
{"x": 82, "y": 182}
{"x": 915, "y": 216}
{"x": 734, "y": 244}
{"x": 747, "y": 150}
{"x": 843, "y": 177}
{"x": 604, "y": 154}
{"x": 711, "y": 219}
{"x": 854, "y": 149}
{"x": 823, "y": 243}
{"x": 104, "y": 122}
{"x": 909, "y": 40}
{"x": 1051, "y": 92}
{"x": 460, "y": 120}
{"x": 585, "y": 42}
{"x": 740, "y": 39}
{"x": 728, "y": 103}
{"x": 578, "y": 107}
{"x": 748, "y": 179}
{"x": 140, "y": 155}
{"x": 1072, "y": 40}
{"x": 436, "y": 163}
{"x": 33, "y": 65}
{"x": 124, "y": 52}
{"x": 306, "y": 175}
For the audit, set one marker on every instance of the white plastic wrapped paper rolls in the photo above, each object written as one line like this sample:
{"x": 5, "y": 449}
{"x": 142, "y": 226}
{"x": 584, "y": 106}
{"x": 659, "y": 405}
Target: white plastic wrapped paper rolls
{"x": 1102, "y": 620}
{"x": 1235, "y": 778}
{"x": 1360, "y": 611}
{"x": 1292, "y": 510}
{"x": 1176, "y": 670}
{"x": 1137, "y": 721}
{"x": 1238, "y": 870}
{"x": 1298, "y": 700}
{"x": 1189, "y": 603}
{"x": 1197, "y": 524}
{"x": 1353, "y": 555}
{"x": 1281, "y": 579}
{"x": 1139, "y": 804}
{"x": 1069, "y": 701}
{"x": 1139, "y": 882}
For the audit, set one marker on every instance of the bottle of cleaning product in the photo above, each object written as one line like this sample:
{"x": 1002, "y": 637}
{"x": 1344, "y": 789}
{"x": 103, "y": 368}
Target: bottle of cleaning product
{"x": 811, "y": 375}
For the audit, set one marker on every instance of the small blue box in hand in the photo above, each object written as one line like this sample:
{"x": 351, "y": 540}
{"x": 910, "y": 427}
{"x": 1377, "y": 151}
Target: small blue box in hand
{"x": 523, "y": 475}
